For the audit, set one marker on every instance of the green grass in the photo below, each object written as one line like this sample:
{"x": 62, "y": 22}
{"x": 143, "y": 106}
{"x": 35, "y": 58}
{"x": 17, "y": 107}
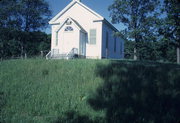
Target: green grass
{"x": 39, "y": 91}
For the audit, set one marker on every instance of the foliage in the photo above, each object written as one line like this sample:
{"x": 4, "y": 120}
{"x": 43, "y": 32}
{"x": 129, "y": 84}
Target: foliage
{"x": 9, "y": 12}
{"x": 171, "y": 26}
{"x": 172, "y": 8}
{"x": 44, "y": 91}
{"x": 36, "y": 42}
{"x": 20, "y": 22}
{"x": 24, "y": 15}
{"x": 35, "y": 14}
{"x": 162, "y": 50}
{"x": 153, "y": 34}
{"x": 128, "y": 49}
{"x": 139, "y": 16}
{"x": 12, "y": 42}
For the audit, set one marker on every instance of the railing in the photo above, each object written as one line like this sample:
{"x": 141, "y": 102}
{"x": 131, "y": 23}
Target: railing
{"x": 72, "y": 54}
{"x": 48, "y": 56}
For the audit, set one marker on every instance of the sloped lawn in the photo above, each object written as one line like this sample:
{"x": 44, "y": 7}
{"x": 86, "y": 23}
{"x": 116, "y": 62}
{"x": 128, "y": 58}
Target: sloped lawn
{"x": 91, "y": 91}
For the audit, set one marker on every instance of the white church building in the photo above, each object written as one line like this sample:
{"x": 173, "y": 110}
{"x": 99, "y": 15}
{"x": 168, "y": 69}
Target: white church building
{"x": 78, "y": 31}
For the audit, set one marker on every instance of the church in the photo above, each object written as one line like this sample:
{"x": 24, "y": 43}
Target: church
{"x": 78, "y": 31}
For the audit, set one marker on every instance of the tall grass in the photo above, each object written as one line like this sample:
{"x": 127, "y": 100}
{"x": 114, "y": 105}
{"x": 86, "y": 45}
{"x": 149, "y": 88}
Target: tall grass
{"x": 39, "y": 91}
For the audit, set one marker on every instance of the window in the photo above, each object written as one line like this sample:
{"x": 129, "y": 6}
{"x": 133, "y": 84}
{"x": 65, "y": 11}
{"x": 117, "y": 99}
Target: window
{"x": 56, "y": 38}
{"x": 121, "y": 47}
{"x": 68, "y": 28}
{"x": 114, "y": 44}
{"x": 107, "y": 40}
{"x": 92, "y": 36}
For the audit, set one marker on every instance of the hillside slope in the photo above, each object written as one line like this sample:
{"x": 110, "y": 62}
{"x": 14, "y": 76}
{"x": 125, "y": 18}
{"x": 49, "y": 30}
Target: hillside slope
{"x": 42, "y": 91}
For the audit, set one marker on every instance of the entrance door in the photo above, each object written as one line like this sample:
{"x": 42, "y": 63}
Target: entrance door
{"x": 68, "y": 41}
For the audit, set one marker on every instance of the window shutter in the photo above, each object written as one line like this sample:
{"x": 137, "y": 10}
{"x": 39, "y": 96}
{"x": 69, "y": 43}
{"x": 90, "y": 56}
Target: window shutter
{"x": 114, "y": 44}
{"x": 92, "y": 36}
{"x": 121, "y": 50}
{"x": 107, "y": 40}
{"x": 56, "y": 38}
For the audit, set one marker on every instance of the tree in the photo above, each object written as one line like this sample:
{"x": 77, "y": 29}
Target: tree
{"x": 172, "y": 9}
{"x": 166, "y": 45}
{"x": 23, "y": 17}
{"x": 34, "y": 14}
{"x": 9, "y": 14}
{"x": 9, "y": 42}
{"x": 139, "y": 16}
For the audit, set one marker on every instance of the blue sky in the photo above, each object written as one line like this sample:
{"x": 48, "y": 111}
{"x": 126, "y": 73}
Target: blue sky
{"x": 99, "y": 6}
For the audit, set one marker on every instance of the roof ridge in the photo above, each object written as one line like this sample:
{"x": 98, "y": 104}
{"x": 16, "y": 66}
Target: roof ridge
{"x": 69, "y": 6}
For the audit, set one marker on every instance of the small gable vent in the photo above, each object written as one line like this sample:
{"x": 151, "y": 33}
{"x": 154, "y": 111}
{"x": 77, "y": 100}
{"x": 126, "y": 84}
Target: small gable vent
{"x": 69, "y": 22}
{"x": 68, "y": 28}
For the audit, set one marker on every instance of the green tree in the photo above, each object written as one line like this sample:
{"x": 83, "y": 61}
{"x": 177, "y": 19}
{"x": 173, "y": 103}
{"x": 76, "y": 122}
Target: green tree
{"x": 9, "y": 14}
{"x": 22, "y": 17}
{"x": 34, "y": 14}
{"x": 172, "y": 22}
{"x": 139, "y": 16}
{"x": 166, "y": 46}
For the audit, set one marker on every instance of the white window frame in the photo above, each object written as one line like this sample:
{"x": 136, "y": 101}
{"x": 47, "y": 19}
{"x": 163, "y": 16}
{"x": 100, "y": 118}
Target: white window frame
{"x": 94, "y": 37}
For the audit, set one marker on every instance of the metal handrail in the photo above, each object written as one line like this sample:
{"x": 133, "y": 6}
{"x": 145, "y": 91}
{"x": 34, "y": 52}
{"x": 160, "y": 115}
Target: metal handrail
{"x": 48, "y": 55}
{"x": 72, "y": 53}
{"x": 69, "y": 55}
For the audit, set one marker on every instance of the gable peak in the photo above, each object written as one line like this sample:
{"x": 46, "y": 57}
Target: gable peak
{"x": 77, "y": 0}
{"x": 73, "y": 2}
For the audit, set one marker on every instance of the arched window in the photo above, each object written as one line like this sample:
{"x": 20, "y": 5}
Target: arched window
{"x": 68, "y": 28}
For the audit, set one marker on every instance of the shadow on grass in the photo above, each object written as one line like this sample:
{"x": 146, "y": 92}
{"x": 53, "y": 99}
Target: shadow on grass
{"x": 74, "y": 117}
{"x": 2, "y": 104}
{"x": 138, "y": 92}
{"x": 134, "y": 92}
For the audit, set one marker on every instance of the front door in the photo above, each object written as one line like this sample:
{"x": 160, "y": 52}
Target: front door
{"x": 69, "y": 40}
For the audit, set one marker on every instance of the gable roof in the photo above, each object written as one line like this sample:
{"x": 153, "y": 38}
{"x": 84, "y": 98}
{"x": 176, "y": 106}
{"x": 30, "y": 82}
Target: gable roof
{"x": 74, "y": 22}
{"x": 101, "y": 19}
{"x": 52, "y": 21}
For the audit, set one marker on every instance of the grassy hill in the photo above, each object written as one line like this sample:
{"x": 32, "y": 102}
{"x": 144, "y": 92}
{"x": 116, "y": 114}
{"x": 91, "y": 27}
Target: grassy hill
{"x": 54, "y": 91}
